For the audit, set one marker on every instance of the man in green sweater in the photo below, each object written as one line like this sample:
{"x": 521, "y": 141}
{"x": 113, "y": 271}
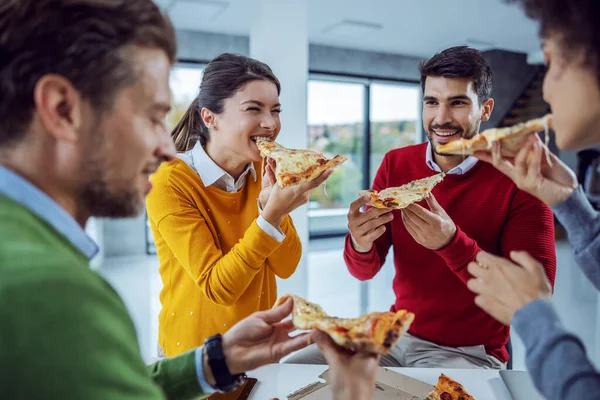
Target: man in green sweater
{"x": 85, "y": 92}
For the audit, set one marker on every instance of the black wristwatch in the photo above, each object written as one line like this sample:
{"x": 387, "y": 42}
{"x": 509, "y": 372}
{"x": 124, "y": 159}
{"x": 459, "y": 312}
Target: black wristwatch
{"x": 225, "y": 382}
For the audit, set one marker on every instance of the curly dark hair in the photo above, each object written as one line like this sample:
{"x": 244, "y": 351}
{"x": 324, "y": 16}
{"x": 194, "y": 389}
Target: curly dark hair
{"x": 460, "y": 62}
{"x": 576, "y": 21}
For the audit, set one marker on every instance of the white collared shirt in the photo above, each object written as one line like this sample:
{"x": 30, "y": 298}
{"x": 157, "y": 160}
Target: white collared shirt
{"x": 213, "y": 175}
{"x": 460, "y": 169}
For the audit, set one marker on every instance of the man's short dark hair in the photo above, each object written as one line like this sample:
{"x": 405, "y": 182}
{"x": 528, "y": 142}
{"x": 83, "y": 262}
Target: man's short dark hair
{"x": 85, "y": 41}
{"x": 460, "y": 62}
{"x": 577, "y": 23}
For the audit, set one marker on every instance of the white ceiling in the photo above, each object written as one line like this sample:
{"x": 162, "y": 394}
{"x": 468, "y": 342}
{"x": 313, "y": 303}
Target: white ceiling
{"x": 410, "y": 27}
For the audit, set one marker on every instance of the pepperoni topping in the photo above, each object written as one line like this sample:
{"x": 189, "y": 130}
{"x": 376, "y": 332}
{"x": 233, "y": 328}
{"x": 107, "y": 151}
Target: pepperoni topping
{"x": 446, "y": 396}
{"x": 341, "y": 329}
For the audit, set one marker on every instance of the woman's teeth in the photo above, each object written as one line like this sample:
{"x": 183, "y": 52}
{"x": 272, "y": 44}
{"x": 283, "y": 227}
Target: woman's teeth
{"x": 257, "y": 138}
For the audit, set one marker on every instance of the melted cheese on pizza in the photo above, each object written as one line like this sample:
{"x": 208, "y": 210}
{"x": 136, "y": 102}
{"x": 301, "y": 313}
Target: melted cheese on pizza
{"x": 402, "y": 196}
{"x": 512, "y": 138}
{"x": 374, "y": 332}
{"x": 296, "y": 166}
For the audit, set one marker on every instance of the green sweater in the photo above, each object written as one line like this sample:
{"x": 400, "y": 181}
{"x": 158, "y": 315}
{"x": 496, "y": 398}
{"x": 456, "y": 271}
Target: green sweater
{"x": 65, "y": 332}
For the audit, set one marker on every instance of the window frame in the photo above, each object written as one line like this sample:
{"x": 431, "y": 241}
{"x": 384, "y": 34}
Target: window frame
{"x": 366, "y": 81}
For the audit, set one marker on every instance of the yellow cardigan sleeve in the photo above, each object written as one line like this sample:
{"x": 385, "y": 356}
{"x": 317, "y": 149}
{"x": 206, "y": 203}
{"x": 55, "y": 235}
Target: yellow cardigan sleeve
{"x": 284, "y": 260}
{"x": 222, "y": 277}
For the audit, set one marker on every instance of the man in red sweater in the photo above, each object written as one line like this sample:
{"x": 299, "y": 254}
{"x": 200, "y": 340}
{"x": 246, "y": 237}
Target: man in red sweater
{"x": 474, "y": 208}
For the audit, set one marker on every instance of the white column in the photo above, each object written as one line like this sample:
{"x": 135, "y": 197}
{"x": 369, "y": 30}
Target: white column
{"x": 279, "y": 38}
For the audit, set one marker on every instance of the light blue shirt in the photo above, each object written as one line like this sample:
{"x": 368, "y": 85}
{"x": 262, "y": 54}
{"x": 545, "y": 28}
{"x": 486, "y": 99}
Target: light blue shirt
{"x": 460, "y": 169}
{"x": 23, "y": 192}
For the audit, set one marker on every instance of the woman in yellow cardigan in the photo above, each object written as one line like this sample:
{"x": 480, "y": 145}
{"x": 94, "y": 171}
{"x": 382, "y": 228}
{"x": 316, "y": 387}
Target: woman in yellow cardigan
{"x": 222, "y": 230}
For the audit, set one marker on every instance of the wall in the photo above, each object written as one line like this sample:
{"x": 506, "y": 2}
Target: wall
{"x": 204, "y": 46}
{"x": 512, "y": 74}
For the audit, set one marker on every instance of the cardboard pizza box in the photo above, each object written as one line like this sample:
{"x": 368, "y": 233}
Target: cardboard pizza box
{"x": 388, "y": 385}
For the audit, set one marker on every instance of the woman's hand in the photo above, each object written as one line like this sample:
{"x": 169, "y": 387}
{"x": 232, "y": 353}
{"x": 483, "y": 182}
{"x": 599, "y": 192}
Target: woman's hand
{"x": 279, "y": 201}
{"x": 530, "y": 171}
{"x": 268, "y": 181}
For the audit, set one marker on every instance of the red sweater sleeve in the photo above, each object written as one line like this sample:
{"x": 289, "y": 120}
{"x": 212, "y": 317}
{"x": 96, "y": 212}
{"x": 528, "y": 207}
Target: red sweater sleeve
{"x": 364, "y": 266}
{"x": 459, "y": 253}
{"x": 529, "y": 227}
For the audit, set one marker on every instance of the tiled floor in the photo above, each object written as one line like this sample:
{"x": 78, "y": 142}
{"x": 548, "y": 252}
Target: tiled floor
{"x": 330, "y": 284}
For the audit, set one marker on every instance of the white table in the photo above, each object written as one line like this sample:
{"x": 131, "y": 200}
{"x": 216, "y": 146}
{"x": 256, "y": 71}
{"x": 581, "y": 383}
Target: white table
{"x": 279, "y": 380}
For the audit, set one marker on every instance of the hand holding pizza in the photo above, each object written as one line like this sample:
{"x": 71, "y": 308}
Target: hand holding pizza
{"x": 281, "y": 201}
{"x": 262, "y": 338}
{"x": 503, "y": 287}
{"x": 552, "y": 182}
{"x": 352, "y": 374}
{"x": 268, "y": 181}
{"x": 433, "y": 228}
{"x": 366, "y": 227}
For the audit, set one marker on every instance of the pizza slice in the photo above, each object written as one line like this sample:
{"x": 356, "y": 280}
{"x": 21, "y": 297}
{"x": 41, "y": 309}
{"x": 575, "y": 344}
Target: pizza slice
{"x": 512, "y": 139}
{"x": 448, "y": 389}
{"x": 402, "y": 196}
{"x": 376, "y": 332}
{"x": 296, "y": 166}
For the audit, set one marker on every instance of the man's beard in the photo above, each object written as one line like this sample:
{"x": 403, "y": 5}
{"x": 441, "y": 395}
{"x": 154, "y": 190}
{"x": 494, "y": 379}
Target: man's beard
{"x": 472, "y": 132}
{"x": 99, "y": 201}
{"x": 95, "y": 195}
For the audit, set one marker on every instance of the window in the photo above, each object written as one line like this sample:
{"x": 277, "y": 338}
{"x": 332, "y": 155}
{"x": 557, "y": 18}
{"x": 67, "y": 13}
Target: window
{"x": 395, "y": 120}
{"x": 336, "y": 126}
{"x": 362, "y": 120}
{"x": 185, "y": 83}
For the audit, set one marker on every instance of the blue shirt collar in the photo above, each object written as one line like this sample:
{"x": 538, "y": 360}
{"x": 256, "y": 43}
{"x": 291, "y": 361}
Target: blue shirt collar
{"x": 23, "y": 192}
{"x": 460, "y": 169}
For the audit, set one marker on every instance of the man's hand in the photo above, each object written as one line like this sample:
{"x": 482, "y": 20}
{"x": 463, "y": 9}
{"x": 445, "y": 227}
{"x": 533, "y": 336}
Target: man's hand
{"x": 433, "y": 228}
{"x": 503, "y": 287}
{"x": 366, "y": 227}
{"x": 352, "y": 374}
{"x": 529, "y": 170}
{"x": 258, "y": 340}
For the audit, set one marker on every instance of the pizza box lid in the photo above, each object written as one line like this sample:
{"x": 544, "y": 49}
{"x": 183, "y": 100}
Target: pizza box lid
{"x": 388, "y": 385}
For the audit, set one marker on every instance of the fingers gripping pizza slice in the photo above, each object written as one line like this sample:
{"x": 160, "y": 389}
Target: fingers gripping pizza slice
{"x": 512, "y": 138}
{"x": 402, "y": 196}
{"x": 448, "y": 389}
{"x": 376, "y": 332}
{"x": 296, "y": 166}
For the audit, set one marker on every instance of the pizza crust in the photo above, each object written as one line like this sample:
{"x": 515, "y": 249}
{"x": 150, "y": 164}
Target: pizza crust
{"x": 512, "y": 139}
{"x": 402, "y": 196}
{"x": 294, "y": 167}
{"x": 376, "y": 332}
